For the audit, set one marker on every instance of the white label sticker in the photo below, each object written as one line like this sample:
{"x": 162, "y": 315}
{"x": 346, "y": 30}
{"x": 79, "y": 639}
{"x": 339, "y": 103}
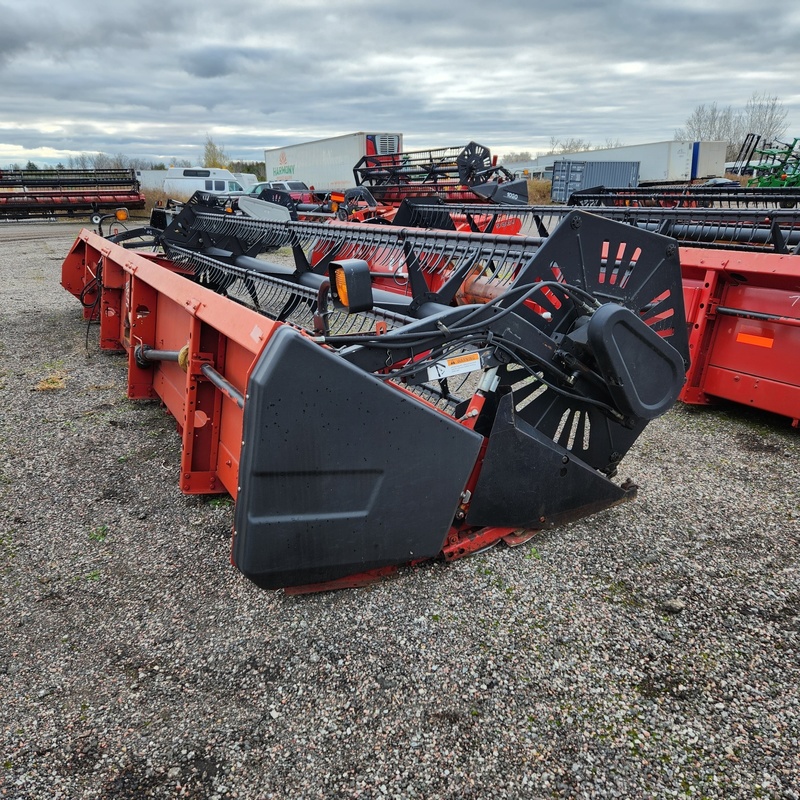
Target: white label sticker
{"x": 469, "y": 362}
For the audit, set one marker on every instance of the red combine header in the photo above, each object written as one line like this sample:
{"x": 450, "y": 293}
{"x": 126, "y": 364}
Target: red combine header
{"x": 359, "y": 410}
{"x": 744, "y": 329}
{"x": 49, "y": 192}
{"x": 454, "y": 174}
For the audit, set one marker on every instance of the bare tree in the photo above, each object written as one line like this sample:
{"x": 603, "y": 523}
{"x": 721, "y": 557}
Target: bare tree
{"x": 516, "y": 158}
{"x": 137, "y": 163}
{"x": 766, "y": 116}
{"x": 169, "y": 162}
{"x": 763, "y": 114}
{"x": 79, "y": 162}
{"x": 708, "y": 123}
{"x": 563, "y": 146}
{"x": 100, "y": 161}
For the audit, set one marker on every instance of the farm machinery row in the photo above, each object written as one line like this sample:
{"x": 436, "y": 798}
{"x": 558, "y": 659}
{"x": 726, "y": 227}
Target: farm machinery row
{"x": 767, "y": 176}
{"x": 772, "y": 230}
{"x": 391, "y": 394}
{"x": 51, "y": 192}
{"x": 427, "y": 378}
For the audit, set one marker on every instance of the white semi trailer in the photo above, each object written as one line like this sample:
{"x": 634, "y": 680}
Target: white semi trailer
{"x": 659, "y": 162}
{"x": 327, "y": 164}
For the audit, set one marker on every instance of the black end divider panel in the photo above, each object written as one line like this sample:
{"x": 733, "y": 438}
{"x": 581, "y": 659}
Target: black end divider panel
{"x": 340, "y": 473}
{"x": 529, "y": 481}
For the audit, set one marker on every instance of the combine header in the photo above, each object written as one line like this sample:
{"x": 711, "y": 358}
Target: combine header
{"x": 724, "y": 195}
{"x": 744, "y": 322}
{"x": 460, "y": 175}
{"x": 763, "y": 230}
{"x": 741, "y": 284}
{"x": 47, "y": 192}
{"x": 360, "y": 410}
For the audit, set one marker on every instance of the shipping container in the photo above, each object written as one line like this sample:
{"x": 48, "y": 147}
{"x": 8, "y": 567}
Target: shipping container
{"x": 572, "y": 176}
{"x": 327, "y": 164}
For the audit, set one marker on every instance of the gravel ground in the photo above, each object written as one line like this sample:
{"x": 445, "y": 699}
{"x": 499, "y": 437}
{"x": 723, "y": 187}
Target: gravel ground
{"x": 648, "y": 652}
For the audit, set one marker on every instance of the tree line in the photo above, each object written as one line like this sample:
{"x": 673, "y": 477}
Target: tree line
{"x": 560, "y": 147}
{"x": 763, "y": 114}
{"x": 89, "y": 161}
{"x": 214, "y": 155}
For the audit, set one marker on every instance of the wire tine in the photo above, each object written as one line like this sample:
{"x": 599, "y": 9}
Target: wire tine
{"x": 277, "y": 298}
{"x": 726, "y": 223}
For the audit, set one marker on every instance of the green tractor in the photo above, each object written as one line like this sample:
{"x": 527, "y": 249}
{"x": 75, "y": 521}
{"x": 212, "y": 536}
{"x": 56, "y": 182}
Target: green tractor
{"x": 776, "y": 166}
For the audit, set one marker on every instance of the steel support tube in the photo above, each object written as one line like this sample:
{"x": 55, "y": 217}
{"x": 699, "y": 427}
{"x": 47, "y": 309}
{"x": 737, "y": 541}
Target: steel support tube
{"x": 145, "y": 354}
{"x": 223, "y": 385}
{"x": 760, "y": 315}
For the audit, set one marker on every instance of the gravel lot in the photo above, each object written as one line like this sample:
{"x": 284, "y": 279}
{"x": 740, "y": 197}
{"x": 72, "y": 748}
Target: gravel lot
{"x": 648, "y": 652}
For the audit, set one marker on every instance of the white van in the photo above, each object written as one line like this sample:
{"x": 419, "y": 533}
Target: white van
{"x": 188, "y": 180}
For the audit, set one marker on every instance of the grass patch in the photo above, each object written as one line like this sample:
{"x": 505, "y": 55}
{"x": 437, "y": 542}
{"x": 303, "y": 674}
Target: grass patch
{"x": 99, "y": 534}
{"x": 621, "y": 592}
{"x": 539, "y": 192}
{"x": 158, "y": 197}
{"x": 52, "y": 383}
{"x": 220, "y": 502}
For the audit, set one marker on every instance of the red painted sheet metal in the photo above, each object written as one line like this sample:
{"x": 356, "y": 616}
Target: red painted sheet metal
{"x": 69, "y": 200}
{"x": 743, "y": 312}
{"x": 144, "y": 303}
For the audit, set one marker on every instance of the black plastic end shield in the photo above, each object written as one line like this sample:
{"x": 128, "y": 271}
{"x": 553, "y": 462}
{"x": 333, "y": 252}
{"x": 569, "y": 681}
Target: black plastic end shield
{"x": 512, "y": 193}
{"x": 340, "y": 473}
{"x": 644, "y": 372}
{"x": 529, "y": 481}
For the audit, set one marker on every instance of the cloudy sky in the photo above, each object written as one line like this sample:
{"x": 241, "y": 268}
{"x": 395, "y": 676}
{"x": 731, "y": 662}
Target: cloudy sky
{"x": 153, "y": 79}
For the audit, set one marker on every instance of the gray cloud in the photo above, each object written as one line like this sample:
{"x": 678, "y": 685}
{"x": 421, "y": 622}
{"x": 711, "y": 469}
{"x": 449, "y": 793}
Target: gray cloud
{"x": 150, "y": 79}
